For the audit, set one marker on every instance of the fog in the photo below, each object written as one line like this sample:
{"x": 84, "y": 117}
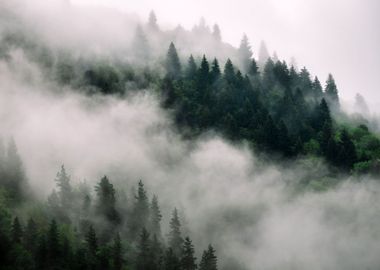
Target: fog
{"x": 339, "y": 37}
{"x": 248, "y": 210}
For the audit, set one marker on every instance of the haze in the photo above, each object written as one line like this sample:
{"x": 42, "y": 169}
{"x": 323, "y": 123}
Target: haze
{"x": 339, "y": 37}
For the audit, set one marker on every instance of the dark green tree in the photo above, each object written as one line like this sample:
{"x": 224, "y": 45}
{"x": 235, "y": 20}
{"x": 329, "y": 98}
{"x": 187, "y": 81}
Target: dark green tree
{"x": 155, "y": 218}
{"x": 331, "y": 92}
{"x": 209, "y": 260}
{"x": 106, "y": 201}
{"x": 117, "y": 253}
{"x": 172, "y": 64}
{"x": 188, "y": 261}
{"x": 144, "y": 255}
{"x": 175, "y": 238}
{"x": 17, "y": 233}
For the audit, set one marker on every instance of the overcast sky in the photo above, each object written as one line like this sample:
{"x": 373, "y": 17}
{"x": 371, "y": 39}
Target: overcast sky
{"x": 340, "y": 36}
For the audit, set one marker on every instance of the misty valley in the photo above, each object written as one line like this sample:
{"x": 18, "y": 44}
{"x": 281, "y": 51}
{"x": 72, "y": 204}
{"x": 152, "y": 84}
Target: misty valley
{"x": 128, "y": 144}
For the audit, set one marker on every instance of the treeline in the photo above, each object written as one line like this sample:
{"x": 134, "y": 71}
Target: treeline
{"x": 266, "y": 102}
{"x": 275, "y": 108}
{"x": 76, "y": 229}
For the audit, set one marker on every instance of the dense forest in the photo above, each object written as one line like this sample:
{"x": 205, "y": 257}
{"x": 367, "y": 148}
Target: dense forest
{"x": 280, "y": 112}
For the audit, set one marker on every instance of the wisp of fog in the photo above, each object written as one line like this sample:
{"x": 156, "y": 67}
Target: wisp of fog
{"x": 226, "y": 196}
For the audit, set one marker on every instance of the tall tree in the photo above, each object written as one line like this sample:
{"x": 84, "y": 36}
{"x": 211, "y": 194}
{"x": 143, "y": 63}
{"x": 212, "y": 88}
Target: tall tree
{"x": 141, "y": 210}
{"x": 172, "y": 64}
{"x": 65, "y": 191}
{"x": 263, "y": 54}
{"x": 175, "y": 238}
{"x": 191, "y": 69}
{"x": 155, "y": 218}
{"x": 331, "y": 92}
{"x": 15, "y": 174}
{"x": 140, "y": 46}
{"x": 106, "y": 200}
{"x": 245, "y": 54}
{"x": 229, "y": 72}
{"x": 209, "y": 260}
{"x": 17, "y": 232}
{"x": 117, "y": 253}
{"x": 216, "y": 33}
{"x": 144, "y": 258}
{"x": 188, "y": 261}
{"x": 152, "y": 22}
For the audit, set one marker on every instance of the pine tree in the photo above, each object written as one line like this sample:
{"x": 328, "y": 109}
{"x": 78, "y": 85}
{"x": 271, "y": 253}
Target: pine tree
{"x": 173, "y": 65}
{"x": 53, "y": 245}
{"x": 106, "y": 201}
{"x": 263, "y": 54}
{"x": 92, "y": 242}
{"x": 152, "y": 22}
{"x": 216, "y": 33}
{"x": 245, "y": 54}
{"x": 144, "y": 256}
{"x": 331, "y": 92}
{"x": 253, "y": 69}
{"x": 117, "y": 253}
{"x": 175, "y": 238}
{"x": 140, "y": 46}
{"x": 155, "y": 218}
{"x": 317, "y": 88}
{"x": 188, "y": 259}
{"x": 171, "y": 261}
{"x": 191, "y": 69}
{"x": 15, "y": 175}
{"x": 229, "y": 72}
{"x": 347, "y": 153}
{"x": 30, "y": 236}
{"x": 215, "y": 70}
{"x": 209, "y": 260}
{"x": 65, "y": 191}
{"x": 141, "y": 210}
{"x": 17, "y": 232}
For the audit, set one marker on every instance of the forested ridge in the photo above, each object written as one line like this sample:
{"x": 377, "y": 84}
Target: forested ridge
{"x": 280, "y": 112}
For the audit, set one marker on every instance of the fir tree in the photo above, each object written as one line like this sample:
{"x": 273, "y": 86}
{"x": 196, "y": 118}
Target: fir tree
{"x": 17, "y": 232}
{"x": 245, "y": 54}
{"x": 155, "y": 218}
{"x": 173, "y": 65}
{"x": 209, "y": 260}
{"x": 331, "y": 92}
{"x": 175, "y": 238}
{"x": 188, "y": 261}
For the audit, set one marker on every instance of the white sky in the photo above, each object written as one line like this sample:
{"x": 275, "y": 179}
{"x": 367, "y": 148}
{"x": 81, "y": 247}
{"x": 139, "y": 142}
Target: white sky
{"x": 339, "y": 36}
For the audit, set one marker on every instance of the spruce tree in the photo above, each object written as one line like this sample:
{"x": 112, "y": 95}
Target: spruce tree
{"x": 188, "y": 261}
{"x": 65, "y": 191}
{"x": 106, "y": 201}
{"x": 117, "y": 253}
{"x": 155, "y": 218}
{"x": 216, "y": 33}
{"x": 191, "y": 69}
{"x": 245, "y": 54}
{"x": 229, "y": 72}
{"x": 175, "y": 238}
{"x": 144, "y": 256}
{"x": 172, "y": 64}
{"x": 17, "y": 232}
{"x": 331, "y": 92}
{"x": 209, "y": 260}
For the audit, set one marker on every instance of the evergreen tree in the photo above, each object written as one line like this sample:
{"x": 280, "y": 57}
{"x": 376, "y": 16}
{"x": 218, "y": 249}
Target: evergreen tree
{"x": 106, "y": 201}
{"x": 141, "y": 210}
{"x": 175, "y": 238}
{"x": 17, "y": 232}
{"x": 15, "y": 175}
{"x": 140, "y": 46}
{"x": 92, "y": 241}
{"x": 188, "y": 259}
{"x": 173, "y": 65}
{"x": 216, "y": 33}
{"x": 65, "y": 191}
{"x": 229, "y": 72}
{"x": 152, "y": 22}
{"x": 171, "y": 261}
{"x": 215, "y": 70}
{"x": 331, "y": 92}
{"x": 191, "y": 69}
{"x": 317, "y": 88}
{"x": 263, "y": 54}
{"x": 209, "y": 260}
{"x": 30, "y": 236}
{"x": 155, "y": 218}
{"x": 245, "y": 54}
{"x": 144, "y": 256}
{"x": 253, "y": 69}
{"x": 53, "y": 245}
{"x": 117, "y": 254}
{"x": 347, "y": 154}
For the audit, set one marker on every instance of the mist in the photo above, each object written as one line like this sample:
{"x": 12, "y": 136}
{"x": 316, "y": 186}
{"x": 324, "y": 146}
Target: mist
{"x": 248, "y": 209}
